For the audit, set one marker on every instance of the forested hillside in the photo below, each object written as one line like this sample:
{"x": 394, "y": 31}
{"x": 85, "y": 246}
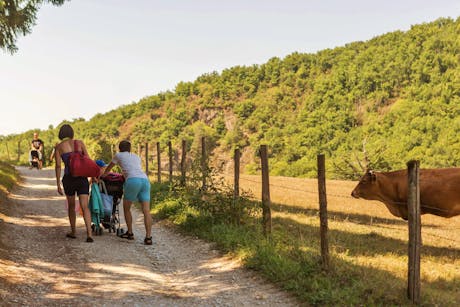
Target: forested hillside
{"x": 394, "y": 98}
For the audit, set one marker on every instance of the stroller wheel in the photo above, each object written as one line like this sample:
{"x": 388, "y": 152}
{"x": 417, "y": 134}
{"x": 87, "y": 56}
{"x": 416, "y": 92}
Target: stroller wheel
{"x": 99, "y": 231}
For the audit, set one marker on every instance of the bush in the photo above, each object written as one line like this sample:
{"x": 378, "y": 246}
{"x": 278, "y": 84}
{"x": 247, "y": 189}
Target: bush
{"x": 8, "y": 176}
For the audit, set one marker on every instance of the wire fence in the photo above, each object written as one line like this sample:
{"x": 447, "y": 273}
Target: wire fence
{"x": 176, "y": 172}
{"x": 295, "y": 189}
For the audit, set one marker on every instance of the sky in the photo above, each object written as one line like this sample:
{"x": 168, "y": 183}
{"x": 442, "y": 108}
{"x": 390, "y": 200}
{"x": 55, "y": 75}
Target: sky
{"x": 88, "y": 57}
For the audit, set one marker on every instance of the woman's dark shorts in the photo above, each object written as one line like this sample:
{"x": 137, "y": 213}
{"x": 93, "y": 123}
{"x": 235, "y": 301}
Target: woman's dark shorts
{"x": 74, "y": 185}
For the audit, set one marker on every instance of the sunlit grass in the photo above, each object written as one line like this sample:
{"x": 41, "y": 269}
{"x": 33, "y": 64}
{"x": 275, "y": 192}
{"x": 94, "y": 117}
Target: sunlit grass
{"x": 365, "y": 234}
{"x": 368, "y": 246}
{"x": 8, "y": 177}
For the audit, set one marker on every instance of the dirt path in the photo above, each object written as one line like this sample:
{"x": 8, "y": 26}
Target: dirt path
{"x": 39, "y": 266}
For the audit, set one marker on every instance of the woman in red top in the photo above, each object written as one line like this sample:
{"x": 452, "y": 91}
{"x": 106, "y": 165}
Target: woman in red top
{"x": 72, "y": 184}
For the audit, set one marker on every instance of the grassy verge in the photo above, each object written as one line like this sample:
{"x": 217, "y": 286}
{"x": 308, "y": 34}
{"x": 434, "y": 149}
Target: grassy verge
{"x": 8, "y": 177}
{"x": 359, "y": 274}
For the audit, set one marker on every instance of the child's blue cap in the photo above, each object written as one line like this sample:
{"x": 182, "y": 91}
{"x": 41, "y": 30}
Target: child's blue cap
{"x": 101, "y": 163}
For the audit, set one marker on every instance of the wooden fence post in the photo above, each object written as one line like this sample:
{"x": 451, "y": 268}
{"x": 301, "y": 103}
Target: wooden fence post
{"x": 236, "y": 184}
{"x": 170, "y": 154}
{"x": 147, "y": 159}
{"x": 323, "y": 211}
{"x": 7, "y": 151}
{"x": 183, "y": 163}
{"x": 203, "y": 163}
{"x": 415, "y": 240}
{"x": 159, "y": 162}
{"x": 266, "y": 212}
{"x": 19, "y": 150}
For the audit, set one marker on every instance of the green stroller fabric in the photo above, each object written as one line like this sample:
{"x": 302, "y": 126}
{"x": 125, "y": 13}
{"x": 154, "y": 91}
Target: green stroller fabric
{"x": 95, "y": 205}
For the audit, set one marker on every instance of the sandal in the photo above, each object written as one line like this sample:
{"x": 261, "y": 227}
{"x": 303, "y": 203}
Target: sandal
{"x": 148, "y": 241}
{"x": 127, "y": 235}
{"x": 71, "y": 235}
{"x": 89, "y": 240}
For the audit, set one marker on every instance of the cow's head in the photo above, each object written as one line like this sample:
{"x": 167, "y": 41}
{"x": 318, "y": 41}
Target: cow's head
{"x": 366, "y": 187}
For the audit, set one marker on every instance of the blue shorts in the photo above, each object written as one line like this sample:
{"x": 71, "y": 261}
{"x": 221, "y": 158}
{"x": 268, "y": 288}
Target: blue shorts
{"x": 137, "y": 189}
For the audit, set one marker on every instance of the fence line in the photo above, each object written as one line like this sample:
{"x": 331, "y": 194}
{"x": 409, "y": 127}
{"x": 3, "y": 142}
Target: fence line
{"x": 294, "y": 189}
{"x": 413, "y": 286}
{"x": 181, "y": 173}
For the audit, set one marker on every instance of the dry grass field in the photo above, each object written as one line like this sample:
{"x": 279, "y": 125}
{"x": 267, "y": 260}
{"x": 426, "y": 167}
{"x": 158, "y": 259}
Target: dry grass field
{"x": 364, "y": 235}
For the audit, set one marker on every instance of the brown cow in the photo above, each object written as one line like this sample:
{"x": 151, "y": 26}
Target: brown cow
{"x": 439, "y": 191}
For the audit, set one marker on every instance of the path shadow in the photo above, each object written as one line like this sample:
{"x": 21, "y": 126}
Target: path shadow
{"x": 113, "y": 280}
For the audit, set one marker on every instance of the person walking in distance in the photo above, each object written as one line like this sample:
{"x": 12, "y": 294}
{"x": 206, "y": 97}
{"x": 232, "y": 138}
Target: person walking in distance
{"x": 37, "y": 145}
{"x": 72, "y": 185}
{"x": 136, "y": 188}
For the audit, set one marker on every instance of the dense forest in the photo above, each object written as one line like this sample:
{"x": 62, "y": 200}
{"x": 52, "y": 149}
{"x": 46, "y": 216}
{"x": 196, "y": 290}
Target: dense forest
{"x": 381, "y": 102}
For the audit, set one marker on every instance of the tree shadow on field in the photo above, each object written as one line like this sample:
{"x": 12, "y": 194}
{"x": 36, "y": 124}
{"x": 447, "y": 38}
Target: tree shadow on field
{"x": 344, "y": 216}
{"x": 296, "y": 237}
{"x": 369, "y": 244}
{"x": 375, "y": 286}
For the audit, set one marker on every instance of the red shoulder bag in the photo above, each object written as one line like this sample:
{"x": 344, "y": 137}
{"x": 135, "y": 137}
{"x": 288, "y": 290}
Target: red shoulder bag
{"x": 81, "y": 165}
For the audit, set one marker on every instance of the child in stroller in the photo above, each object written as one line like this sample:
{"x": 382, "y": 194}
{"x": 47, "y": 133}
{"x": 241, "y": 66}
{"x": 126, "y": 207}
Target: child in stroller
{"x": 36, "y": 152}
{"x": 114, "y": 187}
{"x": 34, "y": 159}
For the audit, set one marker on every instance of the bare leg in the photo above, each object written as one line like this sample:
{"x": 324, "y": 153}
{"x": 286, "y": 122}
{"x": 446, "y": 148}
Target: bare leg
{"x": 71, "y": 213}
{"x": 147, "y": 218}
{"x": 40, "y": 160}
{"x": 86, "y": 213}
{"x": 128, "y": 216}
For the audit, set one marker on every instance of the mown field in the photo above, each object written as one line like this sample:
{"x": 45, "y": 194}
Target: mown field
{"x": 366, "y": 238}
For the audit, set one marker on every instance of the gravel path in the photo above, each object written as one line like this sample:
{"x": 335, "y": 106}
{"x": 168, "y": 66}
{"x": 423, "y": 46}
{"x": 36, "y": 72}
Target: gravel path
{"x": 39, "y": 266}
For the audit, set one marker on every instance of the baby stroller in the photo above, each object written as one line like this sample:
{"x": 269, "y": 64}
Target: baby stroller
{"x": 34, "y": 159}
{"x": 114, "y": 187}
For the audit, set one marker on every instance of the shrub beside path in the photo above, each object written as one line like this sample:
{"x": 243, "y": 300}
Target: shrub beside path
{"x": 40, "y": 266}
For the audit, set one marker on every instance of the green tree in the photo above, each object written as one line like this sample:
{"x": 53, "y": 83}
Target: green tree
{"x": 17, "y": 17}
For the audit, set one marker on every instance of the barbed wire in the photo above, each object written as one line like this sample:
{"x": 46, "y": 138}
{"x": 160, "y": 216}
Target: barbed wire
{"x": 339, "y": 196}
{"x": 295, "y": 189}
{"x": 253, "y": 198}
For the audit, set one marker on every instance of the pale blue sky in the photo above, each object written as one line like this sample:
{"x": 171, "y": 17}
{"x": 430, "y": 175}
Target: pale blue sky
{"x": 90, "y": 56}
